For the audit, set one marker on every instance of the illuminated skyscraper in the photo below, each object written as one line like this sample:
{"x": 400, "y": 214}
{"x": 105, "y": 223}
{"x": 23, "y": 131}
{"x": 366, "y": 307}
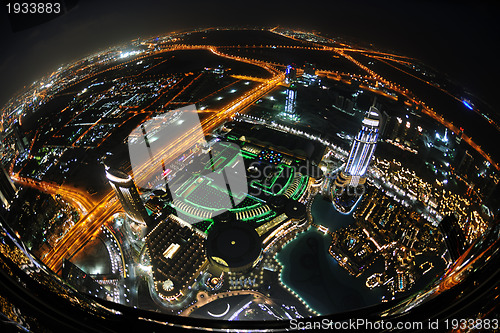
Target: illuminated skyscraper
{"x": 290, "y": 102}
{"x": 290, "y": 74}
{"x": 7, "y": 189}
{"x": 309, "y": 76}
{"x": 127, "y": 193}
{"x": 361, "y": 151}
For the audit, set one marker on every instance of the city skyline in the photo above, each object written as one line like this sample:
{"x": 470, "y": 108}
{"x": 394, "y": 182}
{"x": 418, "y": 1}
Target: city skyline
{"x": 235, "y": 214}
{"x": 412, "y": 21}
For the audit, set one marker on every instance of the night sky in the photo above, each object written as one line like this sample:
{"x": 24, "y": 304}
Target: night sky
{"x": 459, "y": 38}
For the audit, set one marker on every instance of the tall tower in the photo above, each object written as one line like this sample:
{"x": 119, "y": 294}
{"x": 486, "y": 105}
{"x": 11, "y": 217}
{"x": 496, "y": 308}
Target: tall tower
{"x": 21, "y": 140}
{"x": 7, "y": 189}
{"x": 309, "y": 76}
{"x": 465, "y": 165}
{"x": 127, "y": 193}
{"x": 290, "y": 103}
{"x": 290, "y": 74}
{"x": 361, "y": 151}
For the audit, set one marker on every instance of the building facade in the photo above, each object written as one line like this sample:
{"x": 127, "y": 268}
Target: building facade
{"x": 361, "y": 151}
{"x": 127, "y": 193}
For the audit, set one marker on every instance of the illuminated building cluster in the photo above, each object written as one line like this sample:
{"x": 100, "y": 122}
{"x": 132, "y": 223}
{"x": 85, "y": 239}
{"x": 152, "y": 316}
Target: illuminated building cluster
{"x": 385, "y": 228}
{"x": 16, "y": 316}
{"x": 177, "y": 256}
{"x": 352, "y": 250}
{"x": 407, "y": 188}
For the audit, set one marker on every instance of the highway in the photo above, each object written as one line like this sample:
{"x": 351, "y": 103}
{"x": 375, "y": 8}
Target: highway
{"x": 94, "y": 215}
{"x": 81, "y": 201}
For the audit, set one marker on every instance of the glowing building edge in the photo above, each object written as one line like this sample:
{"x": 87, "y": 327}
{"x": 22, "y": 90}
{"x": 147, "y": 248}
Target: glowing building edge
{"x": 361, "y": 151}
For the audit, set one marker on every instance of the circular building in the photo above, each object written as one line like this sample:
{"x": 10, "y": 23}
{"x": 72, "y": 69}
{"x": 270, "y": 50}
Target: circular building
{"x": 233, "y": 246}
{"x": 295, "y": 210}
{"x": 277, "y": 202}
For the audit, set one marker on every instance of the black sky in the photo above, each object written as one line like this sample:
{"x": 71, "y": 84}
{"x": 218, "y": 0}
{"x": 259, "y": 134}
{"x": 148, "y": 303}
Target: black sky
{"x": 458, "y": 38}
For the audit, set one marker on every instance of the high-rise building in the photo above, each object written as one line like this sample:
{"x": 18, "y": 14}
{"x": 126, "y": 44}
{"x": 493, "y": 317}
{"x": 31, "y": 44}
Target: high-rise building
{"x": 127, "y": 193}
{"x": 290, "y": 103}
{"x": 404, "y": 131}
{"x": 7, "y": 189}
{"x": 453, "y": 236}
{"x": 309, "y": 69}
{"x": 361, "y": 151}
{"x": 290, "y": 74}
{"x": 309, "y": 76}
{"x": 460, "y": 133}
{"x": 21, "y": 140}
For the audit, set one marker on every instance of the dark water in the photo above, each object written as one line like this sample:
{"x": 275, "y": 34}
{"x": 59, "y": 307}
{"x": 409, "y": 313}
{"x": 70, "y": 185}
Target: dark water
{"x": 325, "y": 214}
{"x": 310, "y": 271}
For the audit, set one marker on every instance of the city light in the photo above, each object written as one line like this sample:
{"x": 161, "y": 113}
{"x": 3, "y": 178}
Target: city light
{"x": 139, "y": 163}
